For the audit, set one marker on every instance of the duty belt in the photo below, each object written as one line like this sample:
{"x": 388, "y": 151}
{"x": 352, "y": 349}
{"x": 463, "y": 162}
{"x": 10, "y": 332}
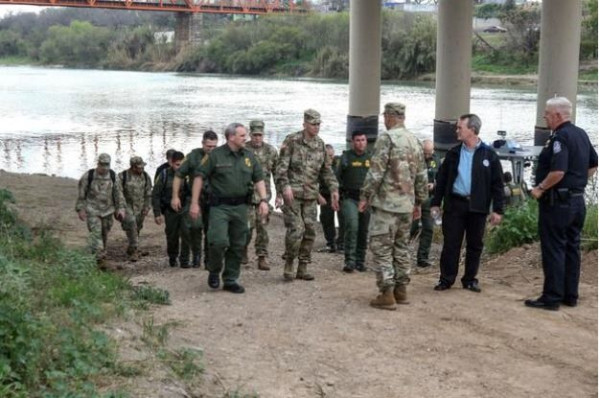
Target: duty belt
{"x": 231, "y": 201}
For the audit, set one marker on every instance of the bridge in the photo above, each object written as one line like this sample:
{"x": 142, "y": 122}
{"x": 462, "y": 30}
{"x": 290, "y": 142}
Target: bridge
{"x": 252, "y": 7}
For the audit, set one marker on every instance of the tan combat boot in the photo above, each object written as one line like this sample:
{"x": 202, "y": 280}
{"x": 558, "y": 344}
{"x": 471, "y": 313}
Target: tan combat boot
{"x": 245, "y": 255}
{"x": 288, "y": 270}
{"x": 262, "y": 263}
{"x": 134, "y": 255}
{"x": 303, "y": 273}
{"x": 385, "y": 301}
{"x": 400, "y": 294}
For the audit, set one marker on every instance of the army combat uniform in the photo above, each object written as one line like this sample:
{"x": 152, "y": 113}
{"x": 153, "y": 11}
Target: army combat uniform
{"x": 186, "y": 172}
{"x": 175, "y": 228}
{"x": 101, "y": 197}
{"x": 137, "y": 190}
{"x": 231, "y": 178}
{"x": 395, "y": 183}
{"x": 267, "y": 156}
{"x": 301, "y": 162}
{"x": 351, "y": 173}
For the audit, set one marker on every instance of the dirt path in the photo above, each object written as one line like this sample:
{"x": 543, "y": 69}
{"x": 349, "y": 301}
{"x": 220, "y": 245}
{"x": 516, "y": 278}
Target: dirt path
{"x": 321, "y": 339}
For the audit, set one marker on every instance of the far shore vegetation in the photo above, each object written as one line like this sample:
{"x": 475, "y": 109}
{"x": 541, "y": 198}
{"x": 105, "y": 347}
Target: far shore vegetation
{"x": 314, "y": 45}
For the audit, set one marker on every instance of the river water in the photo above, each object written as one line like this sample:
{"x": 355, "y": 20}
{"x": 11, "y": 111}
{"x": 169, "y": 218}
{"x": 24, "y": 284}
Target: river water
{"x": 57, "y": 121}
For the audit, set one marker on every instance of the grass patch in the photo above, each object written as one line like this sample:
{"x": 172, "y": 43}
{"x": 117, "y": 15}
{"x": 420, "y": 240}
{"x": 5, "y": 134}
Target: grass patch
{"x": 519, "y": 226}
{"x": 589, "y": 234}
{"x": 16, "y": 61}
{"x": 52, "y": 302}
{"x": 589, "y": 75}
{"x": 488, "y": 64}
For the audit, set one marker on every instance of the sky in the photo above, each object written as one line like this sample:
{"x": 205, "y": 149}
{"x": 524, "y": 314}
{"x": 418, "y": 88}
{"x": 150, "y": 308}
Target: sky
{"x": 5, "y": 9}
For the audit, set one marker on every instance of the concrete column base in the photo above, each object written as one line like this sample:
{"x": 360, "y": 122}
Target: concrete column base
{"x": 444, "y": 134}
{"x": 541, "y": 135}
{"x": 367, "y": 124}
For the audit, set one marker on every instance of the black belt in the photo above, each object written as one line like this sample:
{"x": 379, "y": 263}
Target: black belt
{"x": 352, "y": 194}
{"x": 235, "y": 201}
{"x": 460, "y": 197}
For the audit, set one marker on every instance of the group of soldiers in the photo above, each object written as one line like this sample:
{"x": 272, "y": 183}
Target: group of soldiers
{"x": 385, "y": 195}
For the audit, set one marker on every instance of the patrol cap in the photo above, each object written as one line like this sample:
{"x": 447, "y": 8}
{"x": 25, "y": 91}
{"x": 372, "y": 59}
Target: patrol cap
{"x": 395, "y": 108}
{"x": 104, "y": 159}
{"x": 312, "y": 117}
{"x": 257, "y": 127}
{"x": 137, "y": 161}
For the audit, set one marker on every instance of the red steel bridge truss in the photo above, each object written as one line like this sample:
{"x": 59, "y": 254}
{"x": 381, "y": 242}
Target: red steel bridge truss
{"x": 189, "y": 6}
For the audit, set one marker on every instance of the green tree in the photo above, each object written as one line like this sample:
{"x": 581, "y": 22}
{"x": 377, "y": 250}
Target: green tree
{"x": 589, "y": 33}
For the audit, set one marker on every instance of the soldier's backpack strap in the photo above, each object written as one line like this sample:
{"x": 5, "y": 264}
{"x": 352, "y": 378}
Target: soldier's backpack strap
{"x": 91, "y": 172}
{"x": 124, "y": 179}
{"x": 147, "y": 178}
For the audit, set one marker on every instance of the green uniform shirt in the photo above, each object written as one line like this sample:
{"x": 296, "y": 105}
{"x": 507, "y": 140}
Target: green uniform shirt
{"x": 190, "y": 164}
{"x": 323, "y": 189}
{"x": 352, "y": 170}
{"x": 433, "y": 165}
{"x": 163, "y": 189}
{"x": 230, "y": 174}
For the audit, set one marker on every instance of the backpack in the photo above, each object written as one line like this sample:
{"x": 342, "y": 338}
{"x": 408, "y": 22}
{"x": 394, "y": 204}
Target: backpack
{"x": 146, "y": 177}
{"x": 113, "y": 177}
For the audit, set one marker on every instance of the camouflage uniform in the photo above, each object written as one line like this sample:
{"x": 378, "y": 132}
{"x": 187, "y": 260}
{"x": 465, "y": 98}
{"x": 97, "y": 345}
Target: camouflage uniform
{"x": 267, "y": 157}
{"x": 100, "y": 198}
{"x": 301, "y": 162}
{"x": 395, "y": 183}
{"x": 137, "y": 190}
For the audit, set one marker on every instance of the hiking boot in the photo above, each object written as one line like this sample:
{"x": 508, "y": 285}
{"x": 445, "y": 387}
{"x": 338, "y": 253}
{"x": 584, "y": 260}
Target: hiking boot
{"x": 348, "y": 268}
{"x": 262, "y": 263}
{"x": 173, "y": 261}
{"x": 131, "y": 250}
{"x": 385, "y": 300}
{"x": 234, "y": 288}
{"x": 144, "y": 253}
{"x": 245, "y": 256}
{"x": 303, "y": 273}
{"x": 400, "y": 294}
{"x": 196, "y": 260}
{"x": 288, "y": 270}
{"x": 134, "y": 256}
{"x": 327, "y": 249}
{"x": 214, "y": 280}
{"x": 101, "y": 262}
{"x": 360, "y": 268}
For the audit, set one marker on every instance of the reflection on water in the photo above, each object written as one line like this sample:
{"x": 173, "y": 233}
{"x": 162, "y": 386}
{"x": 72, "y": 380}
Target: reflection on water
{"x": 57, "y": 121}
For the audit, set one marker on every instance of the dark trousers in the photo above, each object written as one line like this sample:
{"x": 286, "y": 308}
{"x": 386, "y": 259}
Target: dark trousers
{"x": 327, "y": 219}
{"x": 426, "y": 236}
{"x": 559, "y": 226}
{"x": 176, "y": 230}
{"x": 457, "y": 222}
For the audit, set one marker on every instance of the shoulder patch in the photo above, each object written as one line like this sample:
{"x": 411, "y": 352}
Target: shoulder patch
{"x": 556, "y": 147}
{"x": 248, "y": 162}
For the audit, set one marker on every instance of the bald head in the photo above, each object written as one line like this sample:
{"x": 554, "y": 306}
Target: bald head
{"x": 428, "y": 149}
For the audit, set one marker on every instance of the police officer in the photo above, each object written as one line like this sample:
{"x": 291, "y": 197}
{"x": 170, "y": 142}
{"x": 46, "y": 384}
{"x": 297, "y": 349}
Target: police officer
{"x": 351, "y": 172}
{"x": 233, "y": 173}
{"x": 565, "y": 163}
{"x": 186, "y": 171}
{"x": 432, "y": 162}
{"x": 175, "y": 229}
{"x": 100, "y": 197}
{"x": 395, "y": 187}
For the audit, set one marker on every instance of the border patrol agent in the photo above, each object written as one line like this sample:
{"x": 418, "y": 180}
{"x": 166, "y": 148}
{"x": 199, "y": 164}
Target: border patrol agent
{"x": 351, "y": 172}
{"x": 233, "y": 173}
{"x": 565, "y": 163}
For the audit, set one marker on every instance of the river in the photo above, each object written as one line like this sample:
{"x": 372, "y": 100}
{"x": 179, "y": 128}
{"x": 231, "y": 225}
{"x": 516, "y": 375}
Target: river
{"x": 57, "y": 121}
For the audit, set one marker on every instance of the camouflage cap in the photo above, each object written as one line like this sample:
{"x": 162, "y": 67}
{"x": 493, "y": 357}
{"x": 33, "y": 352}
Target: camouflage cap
{"x": 311, "y": 116}
{"x": 104, "y": 159}
{"x": 137, "y": 161}
{"x": 395, "y": 108}
{"x": 257, "y": 127}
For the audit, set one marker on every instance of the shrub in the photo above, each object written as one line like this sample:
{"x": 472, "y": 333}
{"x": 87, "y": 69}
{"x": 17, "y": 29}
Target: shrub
{"x": 519, "y": 226}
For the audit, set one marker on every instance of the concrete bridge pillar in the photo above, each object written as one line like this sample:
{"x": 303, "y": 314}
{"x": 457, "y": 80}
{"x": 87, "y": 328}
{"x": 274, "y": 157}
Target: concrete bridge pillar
{"x": 188, "y": 29}
{"x": 558, "y": 68}
{"x": 365, "y": 68}
{"x": 452, "y": 69}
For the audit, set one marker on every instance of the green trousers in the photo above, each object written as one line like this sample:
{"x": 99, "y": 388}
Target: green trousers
{"x": 356, "y": 230}
{"x": 426, "y": 232}
{"x": 227, "y": 234}
{"x": 195, "y": 231}
{"x": 176, "y": 231}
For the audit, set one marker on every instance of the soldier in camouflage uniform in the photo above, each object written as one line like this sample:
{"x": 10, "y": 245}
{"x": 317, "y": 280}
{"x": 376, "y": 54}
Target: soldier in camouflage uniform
{"x": 137, "y": 190}
{"x": 267, "y": 157}
{"x": 175, "y": 229}
{"x": 395, "y": 187}
{"x": 100, "y": 197}
{"x": 302, "y": 159}
{"x": 186, "y": 172}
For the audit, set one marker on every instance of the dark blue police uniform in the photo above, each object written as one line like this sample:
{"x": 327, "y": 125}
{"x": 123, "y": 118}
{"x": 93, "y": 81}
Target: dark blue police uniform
{"x": 562, "y": 211}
